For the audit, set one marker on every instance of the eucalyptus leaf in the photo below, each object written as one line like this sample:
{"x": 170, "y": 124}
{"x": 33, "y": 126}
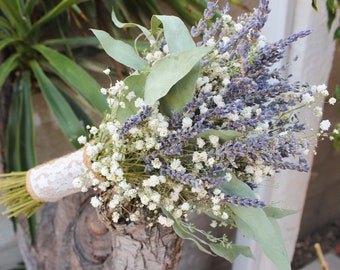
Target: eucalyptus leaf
{"x": 254, "y": 224}
{"x": 119, "y": 50}
{"x": 167, "y": 71}
{"x": 135, "y": 83}
{"x": 237, "y": 187}
{"x": 176, "y": 33}
{"x": 230, "y": 252}
{"x": 277, "y": 213}
{"x": 181, "y": 93}
{"x": 119, "y": 24}
{"x": 224, "y": 135}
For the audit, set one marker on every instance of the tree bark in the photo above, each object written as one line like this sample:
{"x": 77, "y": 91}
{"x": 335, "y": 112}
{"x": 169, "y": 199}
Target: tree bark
{"x": 70, "y": 235}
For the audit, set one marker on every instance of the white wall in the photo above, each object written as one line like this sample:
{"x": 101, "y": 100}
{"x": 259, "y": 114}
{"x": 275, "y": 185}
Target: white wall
{"x": 288, "y": 189}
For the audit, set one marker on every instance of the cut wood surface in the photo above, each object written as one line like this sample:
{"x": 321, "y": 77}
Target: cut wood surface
{"x": 71, "y": 236}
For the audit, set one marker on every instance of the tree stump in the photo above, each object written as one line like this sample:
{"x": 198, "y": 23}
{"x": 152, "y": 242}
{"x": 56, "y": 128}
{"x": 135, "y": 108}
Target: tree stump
{"x": 70, "y": 235}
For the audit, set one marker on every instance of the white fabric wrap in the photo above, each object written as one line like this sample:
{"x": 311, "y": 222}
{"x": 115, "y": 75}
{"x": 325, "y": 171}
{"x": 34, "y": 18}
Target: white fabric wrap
{"x": 51, "y": 181}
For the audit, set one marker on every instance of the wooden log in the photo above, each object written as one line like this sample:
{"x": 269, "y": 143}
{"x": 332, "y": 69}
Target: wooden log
{"x": 70, "y": 235}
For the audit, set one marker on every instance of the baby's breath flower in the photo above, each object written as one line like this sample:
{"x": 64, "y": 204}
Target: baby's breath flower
{"x": 107, "y": 71}
{"x": 167, "y": 222}
{"x": 214, "y": 140}
{"x": 317, "y": 111}
{"x": 200, "y": 142}
{"x": 325, "y": 124}
{"x": 186, "y": 122}
{"x": 82, "y": 139}
{"x": 95, "y": 201}
{"x": 332, "y": 101}
{"x": 213, "y": 224}
{"x": 156, "y": 163}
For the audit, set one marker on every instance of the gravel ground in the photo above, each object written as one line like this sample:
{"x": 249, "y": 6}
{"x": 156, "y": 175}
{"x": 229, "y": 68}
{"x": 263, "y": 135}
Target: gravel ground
{"x": 329, "y": 239}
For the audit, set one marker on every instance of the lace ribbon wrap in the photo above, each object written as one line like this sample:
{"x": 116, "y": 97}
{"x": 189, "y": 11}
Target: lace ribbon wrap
{"x": 51, "y": 181}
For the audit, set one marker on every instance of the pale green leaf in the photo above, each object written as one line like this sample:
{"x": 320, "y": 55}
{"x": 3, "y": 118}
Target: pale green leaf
{"x": 166, "y": 72}
{"x": 176, "y": 33}
{"x": 254, "y": 224}
{"x": 277, "y": 213}
{"x": 224, "y": 135}
{"x": 119, "y": 24}
{"x": 237, "y": 187}
{"x": 230, "y": 252}
{"x": 136, "y": 83}
{"x": 181, "y": 93}
{"x": 119, "y": 50}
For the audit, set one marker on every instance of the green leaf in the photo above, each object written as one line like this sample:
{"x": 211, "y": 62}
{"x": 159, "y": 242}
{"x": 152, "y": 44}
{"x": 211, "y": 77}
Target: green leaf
{"x": 237, "y": 187}
{"x": 136, "y": 83}
{"x": 27, "y": 142}
{"x": 230, "y": 252}
{"x": 337, "y": 33}
{"x": 76, "y": 77}
{"x": 72, "y": 41}
{"x": 224, "y": 135}
{"x": 254, "y": 224}
{"x": 119, "y": 50}
{"x": 331, "y": 10}
{"x": 12, "y": 11}
{"x": 315, "y": 5}
{"x": 13, "y": 129}
{"x": 176, "y": 33}
{"x": 7, "y": 67}
{"x": 29, "y": 7}
{"x": 5, "y": 42}
{"x": 167, "y": 71}
{"x": 20, "y": 133}
{"x": 119, "y": 24}
{"x": 181, "y": 93}
{"x": 65, "y": 117}
{"x": 58, "y": 9}
{"x": 277, "y": 213}
{"x": 6, "y": 27}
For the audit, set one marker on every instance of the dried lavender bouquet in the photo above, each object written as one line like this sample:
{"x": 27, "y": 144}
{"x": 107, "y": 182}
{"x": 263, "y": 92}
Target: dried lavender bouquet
{"x": 202, "y": 119}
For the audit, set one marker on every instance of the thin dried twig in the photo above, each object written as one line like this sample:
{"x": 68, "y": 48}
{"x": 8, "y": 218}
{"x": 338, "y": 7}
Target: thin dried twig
{"x": 319, "y": 253}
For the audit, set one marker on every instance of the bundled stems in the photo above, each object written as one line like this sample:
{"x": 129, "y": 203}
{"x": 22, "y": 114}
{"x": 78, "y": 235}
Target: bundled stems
{"x": 15, "y": 197}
